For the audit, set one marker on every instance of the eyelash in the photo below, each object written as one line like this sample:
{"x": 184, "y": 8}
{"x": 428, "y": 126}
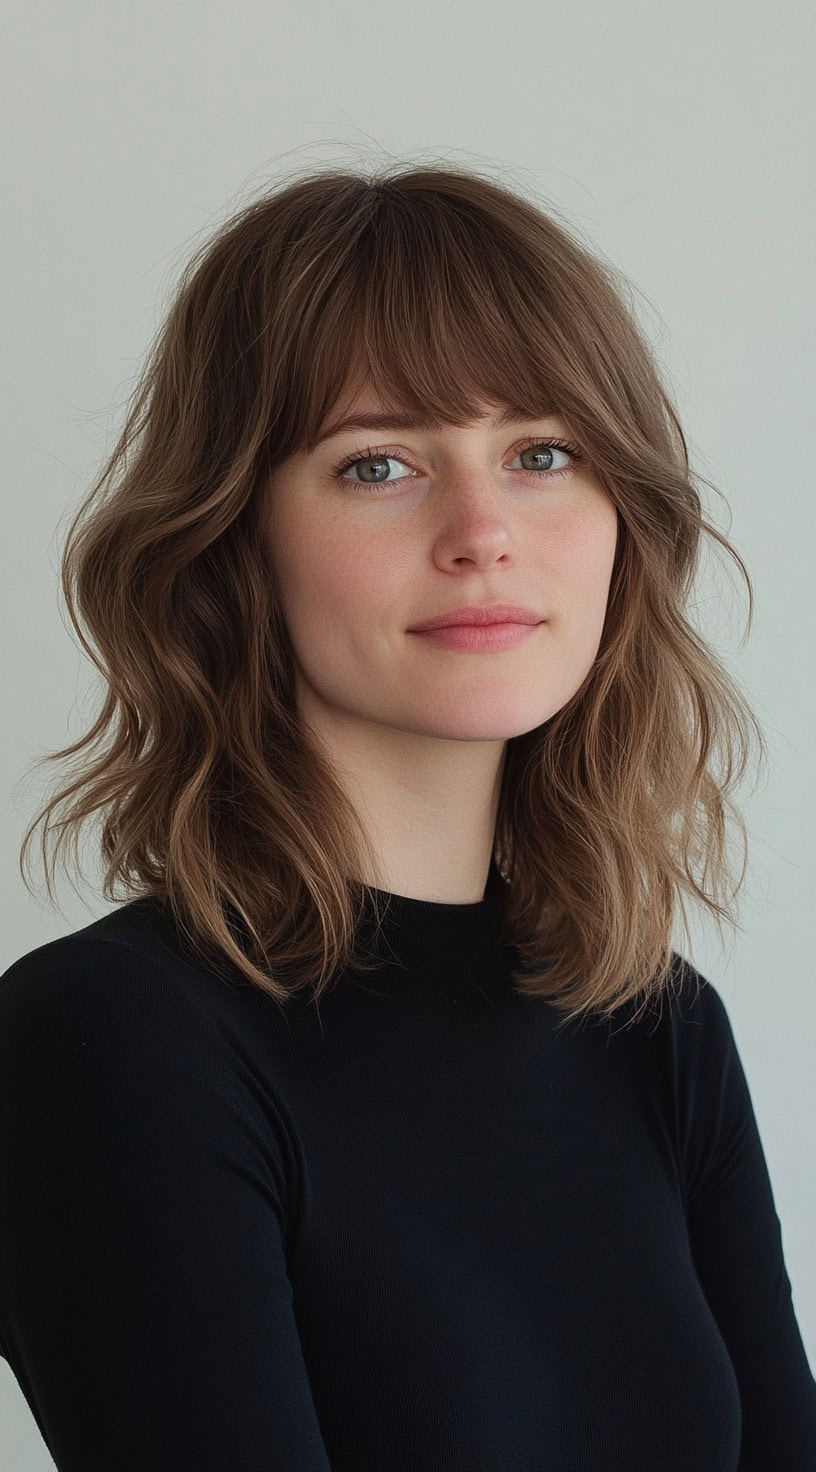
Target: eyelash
{"x": 391, "y": 454}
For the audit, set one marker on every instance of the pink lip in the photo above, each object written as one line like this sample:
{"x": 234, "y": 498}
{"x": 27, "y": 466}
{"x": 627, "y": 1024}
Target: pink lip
{"x": 478, "y": 637}
{"x": 487, "y": 613}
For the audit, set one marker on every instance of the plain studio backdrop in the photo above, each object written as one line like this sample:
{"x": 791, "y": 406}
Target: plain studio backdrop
{"x": 676, "y": 140}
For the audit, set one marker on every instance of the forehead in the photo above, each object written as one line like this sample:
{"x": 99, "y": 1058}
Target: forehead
{"x": 367, "y": 413}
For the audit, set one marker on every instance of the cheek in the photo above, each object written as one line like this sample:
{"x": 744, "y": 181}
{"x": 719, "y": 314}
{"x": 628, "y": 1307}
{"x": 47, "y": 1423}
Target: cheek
{"x": 326, "y": 578}
{"x": 579, "y": 554}
{"x": 575, "y": 570}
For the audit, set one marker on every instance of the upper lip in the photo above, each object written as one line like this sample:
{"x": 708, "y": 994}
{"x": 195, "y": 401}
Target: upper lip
{"x": 486, "y": 613}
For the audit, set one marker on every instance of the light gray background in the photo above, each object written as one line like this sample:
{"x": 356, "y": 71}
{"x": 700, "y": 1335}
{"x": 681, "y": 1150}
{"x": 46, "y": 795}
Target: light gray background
{"x": 678, "y": 142}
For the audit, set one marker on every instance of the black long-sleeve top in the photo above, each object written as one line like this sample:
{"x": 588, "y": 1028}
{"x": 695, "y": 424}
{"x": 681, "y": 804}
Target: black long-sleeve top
{"x": 412, "y": 1228}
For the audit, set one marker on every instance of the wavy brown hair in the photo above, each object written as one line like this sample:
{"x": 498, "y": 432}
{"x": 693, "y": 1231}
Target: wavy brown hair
{"x": 439, "y": 287}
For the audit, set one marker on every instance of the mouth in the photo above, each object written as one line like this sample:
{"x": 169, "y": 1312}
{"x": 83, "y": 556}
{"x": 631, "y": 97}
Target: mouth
{"x": 482, "y": 616}
{"x": 478, "y": 638}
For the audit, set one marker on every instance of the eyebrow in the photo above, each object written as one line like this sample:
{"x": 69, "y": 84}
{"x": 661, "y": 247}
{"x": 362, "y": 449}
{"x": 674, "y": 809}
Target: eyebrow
{"x": 385, "y": 421}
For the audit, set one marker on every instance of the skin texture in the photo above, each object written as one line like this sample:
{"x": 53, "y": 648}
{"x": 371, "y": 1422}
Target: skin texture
{"x": 416, "y": 733}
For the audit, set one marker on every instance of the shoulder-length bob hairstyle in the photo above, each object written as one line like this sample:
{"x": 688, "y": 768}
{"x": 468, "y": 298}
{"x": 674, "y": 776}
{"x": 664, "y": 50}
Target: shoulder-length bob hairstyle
{"x": 439, "y": 288}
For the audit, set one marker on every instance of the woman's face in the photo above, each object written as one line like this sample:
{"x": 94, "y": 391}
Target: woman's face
{"x": 459, "y": 518}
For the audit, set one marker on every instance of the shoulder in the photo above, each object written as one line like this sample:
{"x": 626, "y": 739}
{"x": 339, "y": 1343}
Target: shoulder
{"x": 125, "y": 1003}
{"x": 683, "y": 1036}
{"x": 106, "y": 1029}
{"x": 112, "y": 970}
{"x": 699, "y": 1061}
{"x": 697, "y": 1014}
{"x": 687, "y": 1003}
{"x": 125, "y": 993}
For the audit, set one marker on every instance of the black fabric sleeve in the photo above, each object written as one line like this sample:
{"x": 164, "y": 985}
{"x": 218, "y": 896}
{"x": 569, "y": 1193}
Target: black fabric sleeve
{"x": 145, "y": 1307}
{"x": 736, "y": 1241}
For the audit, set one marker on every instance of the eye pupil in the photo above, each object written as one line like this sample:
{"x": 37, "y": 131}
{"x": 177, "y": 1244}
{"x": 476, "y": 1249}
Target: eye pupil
{"x": 541, "y": 454}
{"x": 376, "y": 460}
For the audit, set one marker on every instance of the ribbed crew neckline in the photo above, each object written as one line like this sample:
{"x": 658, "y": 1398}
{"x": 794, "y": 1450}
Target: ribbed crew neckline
{"x": 434, "y": 940}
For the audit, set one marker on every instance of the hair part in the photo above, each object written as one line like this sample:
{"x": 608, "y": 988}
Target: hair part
{"x": 439, "y": 288}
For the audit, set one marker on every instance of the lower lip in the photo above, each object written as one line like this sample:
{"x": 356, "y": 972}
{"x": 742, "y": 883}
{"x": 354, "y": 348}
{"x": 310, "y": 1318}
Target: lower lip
{"x": 478, "y": 636}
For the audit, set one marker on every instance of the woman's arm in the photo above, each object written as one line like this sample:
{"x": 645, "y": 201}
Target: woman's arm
{"x": 145, "y": 1307}
{"x": 736, "y": 1241}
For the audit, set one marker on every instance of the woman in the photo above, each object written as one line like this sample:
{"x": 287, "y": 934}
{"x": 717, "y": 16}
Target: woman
{"x": 380, "y": 1126}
